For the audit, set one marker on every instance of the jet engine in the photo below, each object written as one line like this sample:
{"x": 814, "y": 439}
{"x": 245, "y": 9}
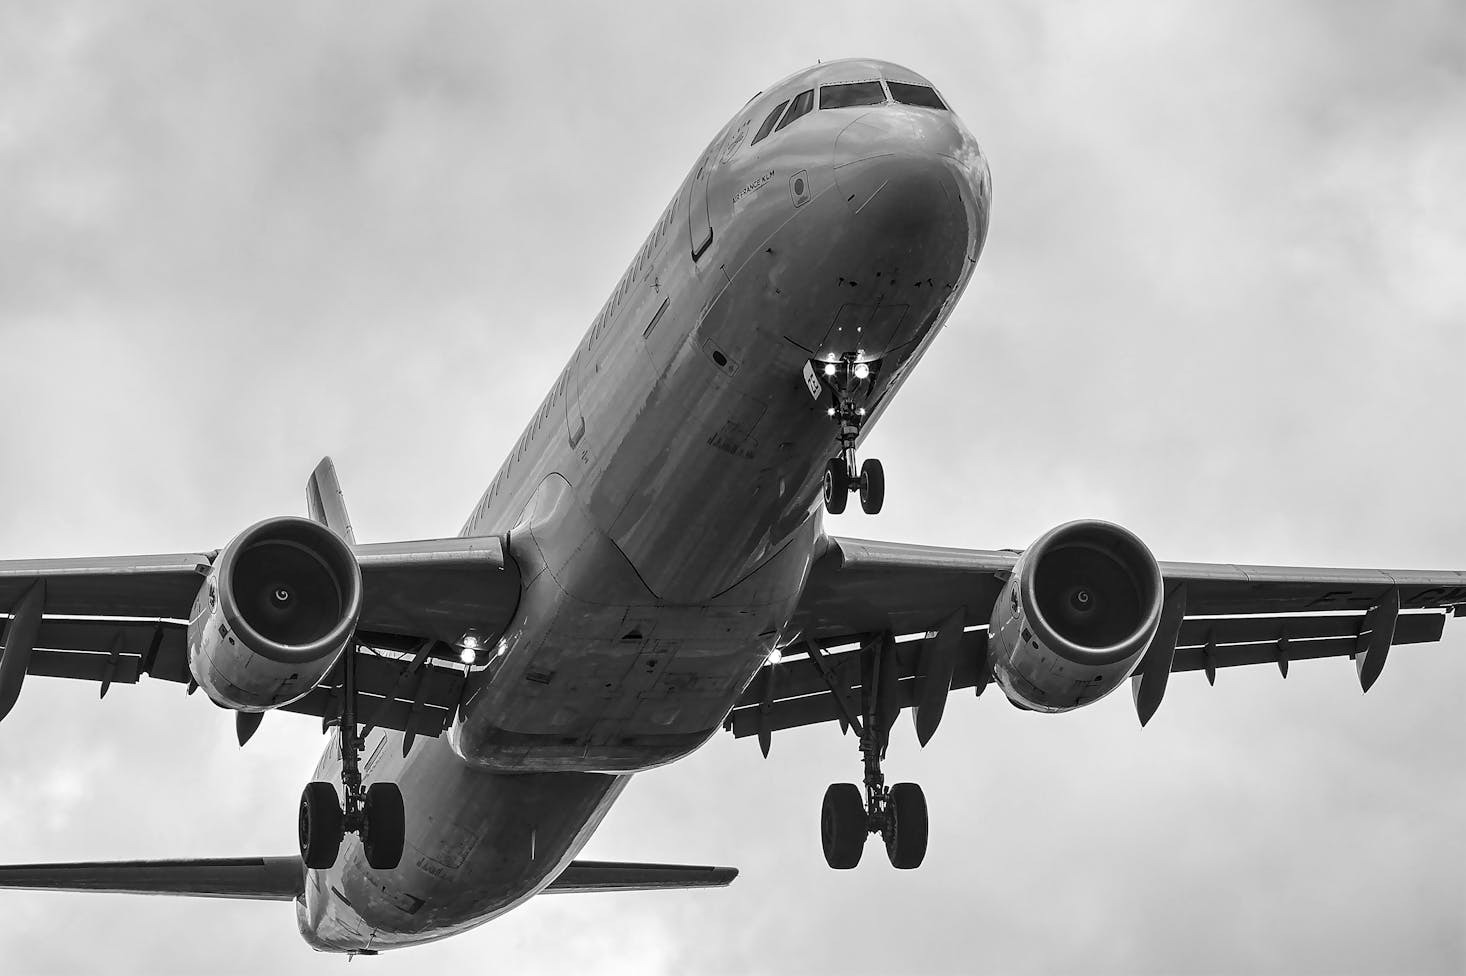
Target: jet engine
{"x": 274, "y": 615}
{"x": 1074, "y": 619}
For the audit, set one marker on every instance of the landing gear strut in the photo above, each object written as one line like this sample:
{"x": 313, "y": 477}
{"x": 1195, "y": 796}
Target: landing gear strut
{"x": 897, "y": 813}
{"x": 849, "y": 382}
{"x": 376, "y": 814}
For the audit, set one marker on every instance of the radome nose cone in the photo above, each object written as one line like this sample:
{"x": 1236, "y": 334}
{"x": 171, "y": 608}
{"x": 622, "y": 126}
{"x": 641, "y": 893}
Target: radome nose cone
{"x": 912, "y": 168}
{"x": 897, "y": 129}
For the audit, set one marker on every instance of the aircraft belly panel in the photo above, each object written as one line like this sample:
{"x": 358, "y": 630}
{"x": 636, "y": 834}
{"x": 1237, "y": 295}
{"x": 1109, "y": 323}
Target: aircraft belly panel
{"x": 596, "y": 673}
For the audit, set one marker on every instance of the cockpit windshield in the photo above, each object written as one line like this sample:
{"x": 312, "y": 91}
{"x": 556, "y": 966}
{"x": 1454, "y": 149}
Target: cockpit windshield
{"x": 851, "y": 95}
{"x": 918, "y": 95}
{"x": 768, "y": 126}
{"x": 801, "y": 105}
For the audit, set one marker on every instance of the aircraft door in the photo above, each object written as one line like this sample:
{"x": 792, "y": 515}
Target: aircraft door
{"x": 699, "y": 220}
{"x": 574, "y": 416}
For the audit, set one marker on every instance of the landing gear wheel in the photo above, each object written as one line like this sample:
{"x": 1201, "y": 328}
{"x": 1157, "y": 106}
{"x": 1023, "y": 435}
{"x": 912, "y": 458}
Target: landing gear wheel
{"x": 320, "y": 825}
{"x": 872, "y": 486}
{"x": 386, "y": 826}
{"x": 906, "y": 826}
{"x": 842, "y": 825}
{"x": 837, "y": 486}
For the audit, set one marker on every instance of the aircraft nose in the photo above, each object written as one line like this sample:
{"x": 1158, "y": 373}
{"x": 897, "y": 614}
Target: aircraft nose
{"x": 914, "y": 166}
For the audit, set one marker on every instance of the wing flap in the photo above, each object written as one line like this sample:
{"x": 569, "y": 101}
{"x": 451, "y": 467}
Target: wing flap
{"x": 253, "y": 878}
{"x": 794, "y": 693}
{"x": 590, "y": 876}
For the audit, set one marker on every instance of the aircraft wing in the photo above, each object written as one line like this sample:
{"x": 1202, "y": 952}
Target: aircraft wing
{"x": 115, "y": 620}
{"x": 859, "y": 591}
{"x": 283, "y": 878}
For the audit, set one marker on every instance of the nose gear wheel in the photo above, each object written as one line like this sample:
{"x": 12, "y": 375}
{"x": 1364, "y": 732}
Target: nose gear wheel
{"x": 850, "y": 384}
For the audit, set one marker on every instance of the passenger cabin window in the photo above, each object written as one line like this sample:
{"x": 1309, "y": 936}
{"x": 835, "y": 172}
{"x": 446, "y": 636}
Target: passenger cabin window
{"x": 801, "y": 105}
{"x": 919, "y": 95}
{"x": 848, "y": 96}
{"x": 768, "y": 126}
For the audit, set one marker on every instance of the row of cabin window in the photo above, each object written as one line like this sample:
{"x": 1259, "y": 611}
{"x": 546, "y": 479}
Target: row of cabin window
{"x": 642, "y": 256}
{"x": 847, "y": 95}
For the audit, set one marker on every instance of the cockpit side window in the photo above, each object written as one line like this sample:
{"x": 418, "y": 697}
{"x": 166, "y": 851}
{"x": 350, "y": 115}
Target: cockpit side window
{"x": 848, "y": 96}
{"x": 801, "y": 105}
{"x": 768, "y": 126}
{"x": 919, "y": 95}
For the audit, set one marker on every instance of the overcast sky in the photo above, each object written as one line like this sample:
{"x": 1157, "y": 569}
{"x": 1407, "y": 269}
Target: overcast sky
{"x": 1222, "y": 303}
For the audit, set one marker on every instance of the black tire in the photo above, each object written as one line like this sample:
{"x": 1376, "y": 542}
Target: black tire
{"x": 837, "y": 486}
{"x": 843, "y": 826}
{"x": 906, "y": 834}
{"x": 320, "y": 825}
{"x": 872, "y": 486}
{"x": 386, "y": 826}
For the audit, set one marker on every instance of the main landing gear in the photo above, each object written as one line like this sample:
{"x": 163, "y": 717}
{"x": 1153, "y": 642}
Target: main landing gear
{"x": 376, "y": 814}
{"x": 897, "y": 813}
{"x": 849, "y": 382}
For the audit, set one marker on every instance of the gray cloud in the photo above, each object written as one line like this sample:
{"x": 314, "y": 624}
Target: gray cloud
{"x": 1221, "y": 303}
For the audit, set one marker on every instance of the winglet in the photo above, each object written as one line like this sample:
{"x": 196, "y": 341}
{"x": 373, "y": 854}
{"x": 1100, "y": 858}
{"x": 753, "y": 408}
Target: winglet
{"x": 325, "y": 502}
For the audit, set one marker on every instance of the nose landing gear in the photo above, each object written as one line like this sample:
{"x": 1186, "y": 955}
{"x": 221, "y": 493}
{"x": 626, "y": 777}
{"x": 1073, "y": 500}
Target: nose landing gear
{"x": 849, "y": 382}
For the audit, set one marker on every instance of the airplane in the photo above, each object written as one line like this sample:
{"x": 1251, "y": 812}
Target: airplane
{"x": 650, "y": 565}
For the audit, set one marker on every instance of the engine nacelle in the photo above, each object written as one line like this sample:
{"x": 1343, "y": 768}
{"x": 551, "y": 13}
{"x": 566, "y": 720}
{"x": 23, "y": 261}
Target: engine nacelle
{"x": 274, "y": 615}
{"x": 1075, "y": 618}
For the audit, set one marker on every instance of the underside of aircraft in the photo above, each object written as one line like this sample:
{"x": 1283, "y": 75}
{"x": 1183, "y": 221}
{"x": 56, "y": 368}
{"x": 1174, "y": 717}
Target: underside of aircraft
{"x": 650, "y": 567}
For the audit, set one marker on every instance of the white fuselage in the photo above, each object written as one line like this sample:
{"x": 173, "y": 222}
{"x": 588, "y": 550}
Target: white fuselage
{"x": 663, "y": 505}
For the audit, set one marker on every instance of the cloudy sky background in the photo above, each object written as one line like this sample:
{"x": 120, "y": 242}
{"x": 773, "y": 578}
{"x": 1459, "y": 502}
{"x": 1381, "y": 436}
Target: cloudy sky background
{"x": 1222, "y": 303}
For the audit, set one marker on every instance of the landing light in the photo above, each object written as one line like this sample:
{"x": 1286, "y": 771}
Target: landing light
{"x": 775, "y": 656}
{"x": 829, "y": 369}
{"x": 861, "y": 411}
{"x": 468, "y": 655}
{"x": 862, "y": 370}
{"x": 830, "y": 411}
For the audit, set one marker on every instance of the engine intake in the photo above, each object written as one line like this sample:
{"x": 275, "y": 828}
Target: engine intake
{"x": 1074, "y": 620}
{"x": 274, "y": 615}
